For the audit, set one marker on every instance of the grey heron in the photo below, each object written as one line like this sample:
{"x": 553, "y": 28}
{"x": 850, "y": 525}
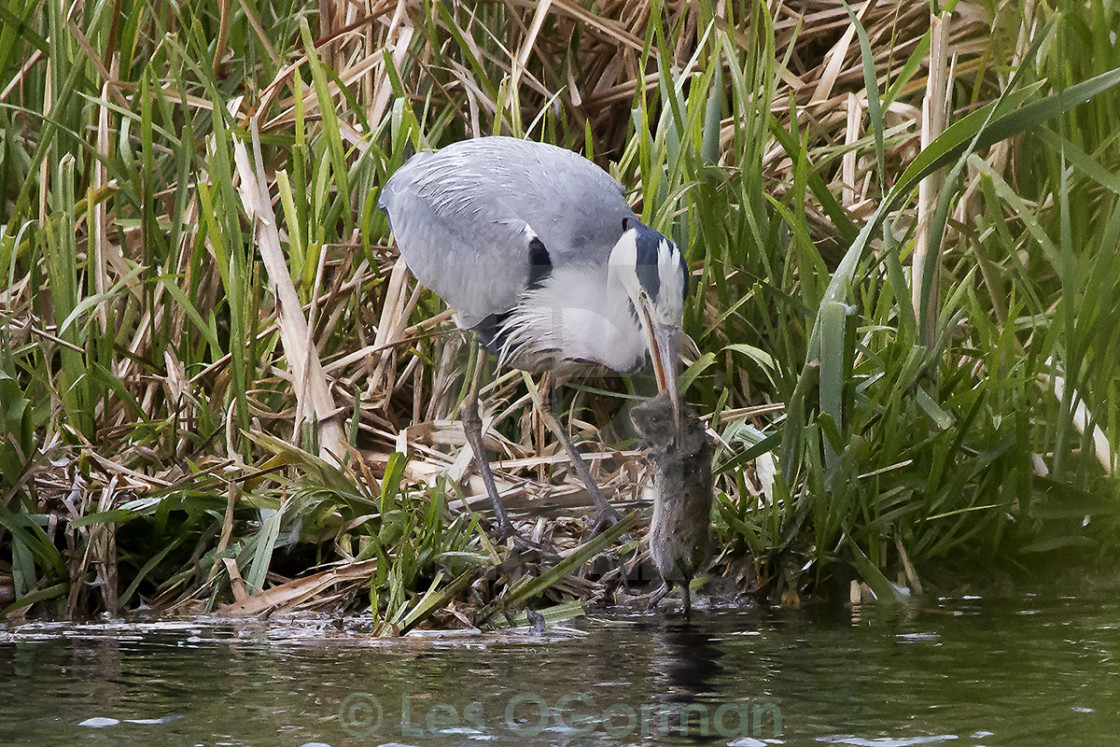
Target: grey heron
{"x": 537, "y": 252}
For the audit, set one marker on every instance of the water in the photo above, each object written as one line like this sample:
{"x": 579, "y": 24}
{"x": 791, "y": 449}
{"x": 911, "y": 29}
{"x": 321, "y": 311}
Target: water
{"x": 963, "y": 671}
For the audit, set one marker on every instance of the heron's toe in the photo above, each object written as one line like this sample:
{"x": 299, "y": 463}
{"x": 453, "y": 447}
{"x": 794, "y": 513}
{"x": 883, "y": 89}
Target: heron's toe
{"x": 504, "y": 530}
{"x": 659, "y": 594}
{"x": 605, "y": 518}
{"x": 525, "y": 548}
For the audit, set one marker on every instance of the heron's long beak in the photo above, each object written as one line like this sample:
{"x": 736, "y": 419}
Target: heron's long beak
{"x": 662, "y": 341}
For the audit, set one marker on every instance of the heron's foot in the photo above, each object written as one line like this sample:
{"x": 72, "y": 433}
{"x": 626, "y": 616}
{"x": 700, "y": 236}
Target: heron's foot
{"x": 536, "y": 621}
{"x": 504, "y": 530}
{"x": 526, "y": 547}
{"x": 656, "y": 597}
{"x": 605, "y": 518}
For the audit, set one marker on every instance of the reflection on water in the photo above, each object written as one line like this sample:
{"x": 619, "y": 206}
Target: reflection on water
{"x": 963, "y": 671}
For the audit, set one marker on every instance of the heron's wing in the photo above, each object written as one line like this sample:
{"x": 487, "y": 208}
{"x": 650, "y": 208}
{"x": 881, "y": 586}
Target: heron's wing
{"x": 465, "y": 218}
{"x": 476, "y": 263}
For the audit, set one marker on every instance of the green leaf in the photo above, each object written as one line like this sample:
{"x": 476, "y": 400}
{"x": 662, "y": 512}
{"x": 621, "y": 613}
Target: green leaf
{"x": 943, "y": 419}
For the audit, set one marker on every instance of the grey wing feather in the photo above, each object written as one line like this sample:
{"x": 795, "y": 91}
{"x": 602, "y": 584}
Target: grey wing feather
{"x": 464, "y": 216}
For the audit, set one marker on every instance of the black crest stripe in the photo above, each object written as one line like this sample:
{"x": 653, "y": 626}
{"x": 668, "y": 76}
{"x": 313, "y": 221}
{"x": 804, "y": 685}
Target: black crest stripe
{"x": 540, "y": 264}
{"x": 648, "y": 273}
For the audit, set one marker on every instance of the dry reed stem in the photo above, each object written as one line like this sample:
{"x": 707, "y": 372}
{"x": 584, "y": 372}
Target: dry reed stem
{"x": 299, "y": 591}
{"x": 934, "y": 115}
{"x": 1082, "y": 417}
{"x": 309, "y": 383}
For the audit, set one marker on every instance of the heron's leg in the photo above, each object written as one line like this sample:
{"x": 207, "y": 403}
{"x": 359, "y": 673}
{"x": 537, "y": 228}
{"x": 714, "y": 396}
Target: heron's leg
{"x": 472, "y": 425}
{"x": 687, "y": 600}
{"x": 605, "y": 515}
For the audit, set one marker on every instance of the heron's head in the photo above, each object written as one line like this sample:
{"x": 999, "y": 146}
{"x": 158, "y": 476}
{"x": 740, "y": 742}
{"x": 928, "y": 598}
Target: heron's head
{"x": 652, "y": 270}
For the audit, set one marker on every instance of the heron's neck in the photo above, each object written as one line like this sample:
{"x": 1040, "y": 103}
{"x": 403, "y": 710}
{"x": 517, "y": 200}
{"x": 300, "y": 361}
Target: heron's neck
{"x": 575, "y": 315}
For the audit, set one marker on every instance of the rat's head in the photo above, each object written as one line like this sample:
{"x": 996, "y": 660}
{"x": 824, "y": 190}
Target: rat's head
{"x": 655, "y": 421}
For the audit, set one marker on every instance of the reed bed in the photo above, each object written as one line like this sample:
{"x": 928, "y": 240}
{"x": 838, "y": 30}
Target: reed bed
{"x": 221, "y": 390}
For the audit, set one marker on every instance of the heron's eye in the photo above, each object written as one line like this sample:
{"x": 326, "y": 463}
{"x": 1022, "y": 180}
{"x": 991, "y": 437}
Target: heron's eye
{"x": 643, "y": 295}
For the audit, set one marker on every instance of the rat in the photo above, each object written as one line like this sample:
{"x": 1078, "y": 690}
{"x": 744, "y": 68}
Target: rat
{"x": 682, "y": 483}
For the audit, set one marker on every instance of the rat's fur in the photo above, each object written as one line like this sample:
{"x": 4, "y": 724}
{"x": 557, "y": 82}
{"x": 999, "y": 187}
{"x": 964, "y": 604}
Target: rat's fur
{"x": 682, "y": 482}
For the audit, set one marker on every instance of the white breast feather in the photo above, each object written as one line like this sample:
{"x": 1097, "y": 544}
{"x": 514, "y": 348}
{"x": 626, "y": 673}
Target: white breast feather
{"x": 571, "y": 318}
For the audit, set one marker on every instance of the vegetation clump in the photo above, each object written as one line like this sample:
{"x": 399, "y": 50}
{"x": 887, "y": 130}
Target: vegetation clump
{"x": 220, "y": 390}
